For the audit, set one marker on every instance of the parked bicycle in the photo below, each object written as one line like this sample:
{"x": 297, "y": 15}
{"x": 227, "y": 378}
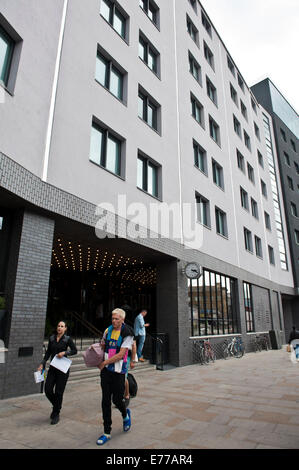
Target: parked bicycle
{"x": 209, "y": 353}
{"x": 260, "y": 343}
{"x": 233, "y": 348}
{"x": 199, "y": 352}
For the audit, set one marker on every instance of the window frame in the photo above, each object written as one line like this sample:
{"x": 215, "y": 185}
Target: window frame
{"x": 147, "y": 163}
{"x": 223, "y": 218}
{"x": 214, "y": 130}
{"x": 151, "y": 6}
{"x": 149, "y": 50}
{"x": 197, "y": 148}
{"x": 115, "y": 10}
{"x": 107, "y": 134}
{"x": 149, "y": 102}
{"x": 248, "y": 240}
{"x": 202, "y": 210}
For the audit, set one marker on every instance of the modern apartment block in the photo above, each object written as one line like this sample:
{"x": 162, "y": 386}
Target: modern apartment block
{"x": 136, "y": 104}
{"x": 286, "y": 132}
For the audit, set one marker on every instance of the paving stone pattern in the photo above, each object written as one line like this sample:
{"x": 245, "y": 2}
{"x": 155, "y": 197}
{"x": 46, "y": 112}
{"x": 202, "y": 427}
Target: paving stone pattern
{"x": 248, "y": 403}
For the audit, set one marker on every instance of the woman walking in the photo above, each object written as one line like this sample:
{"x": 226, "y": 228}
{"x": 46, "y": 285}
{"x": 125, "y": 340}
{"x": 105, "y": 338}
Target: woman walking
{"x": 58, "y": 345}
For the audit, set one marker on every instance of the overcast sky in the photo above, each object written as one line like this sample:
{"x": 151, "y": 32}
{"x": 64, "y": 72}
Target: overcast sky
{"x": 262, "y": 37}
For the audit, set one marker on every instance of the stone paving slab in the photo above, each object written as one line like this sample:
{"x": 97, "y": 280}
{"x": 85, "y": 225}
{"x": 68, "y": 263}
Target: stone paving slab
{"x": 247, "y": 403}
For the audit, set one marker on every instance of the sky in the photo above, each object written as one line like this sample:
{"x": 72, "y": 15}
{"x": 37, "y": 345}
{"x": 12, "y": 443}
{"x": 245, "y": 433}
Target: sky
{"x": 262, "y": 37}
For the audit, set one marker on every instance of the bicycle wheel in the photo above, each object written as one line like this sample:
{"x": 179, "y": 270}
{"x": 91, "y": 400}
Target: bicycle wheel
{"x": 225, "y": 352}
{"x": 212, "y": 356}
{"x": 238, "y": 351}
{"x": 201, "y": 357}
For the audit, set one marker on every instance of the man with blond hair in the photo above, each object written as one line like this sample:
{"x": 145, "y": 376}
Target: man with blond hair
{"x": 117, "y": 341}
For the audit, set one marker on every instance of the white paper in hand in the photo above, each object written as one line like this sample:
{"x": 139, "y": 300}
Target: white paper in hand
{"x": 38, "y": 377}
{"x": 62, "y": 363}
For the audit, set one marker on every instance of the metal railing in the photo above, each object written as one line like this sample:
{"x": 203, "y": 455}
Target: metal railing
{"x": 80, "y": 328}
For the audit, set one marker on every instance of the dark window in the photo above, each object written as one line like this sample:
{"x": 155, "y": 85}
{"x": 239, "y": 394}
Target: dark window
{"x": 257, "y": 131}
{"x": 293, "y": 145}
{"x": 264, "y": 188}
{"x": 244, "y": 110}
{"x": 6, "y": 52}
{"x": 151, "y": 10}
{"x": 240, "y": 161}
{"x": 250, "y": 172}
{"x": 206, "y": 24}
{"x": 208, "y": 55}
{"x": 294, "y": 209}
{"x": 267, "y": 221}
{"x": 108, "y": 75}
{"x": 297, "y": 236}
{"x": 271, "y": 255}
{"x": 247, "y": 140}
{"x": 290, "y": 183}
{"x": 193, "y": 3}
{"x": 193, "y": 32}
{"x": 214, "y": 130}
{"x": 194, "y": 68}
{"x": 112, "y": 14}
{"x": 211, "y": 91}
{"x": 244, "y": 198}
{"x": 148, "y": 110}
{"x": 217, "y": 174}
{"x": 283, "y": 135}
{"x": 148, "y": 173}
{"x": 260, "y": 159}
{"x": 254, "y": 208}
{"x": 258, "y": 247}
{"x": 253, "y": 105}
{"x": 200, "y": 157}
{"x": 148, "y": 54}
{"x": 248, "y": 307}
{"x": 197, "y": 110}
{"x": 203, "y": 210}
{"x": 241, "y": 83}
{"x": 231, "y": 66}
{"x": 105, "y": 149}
{"x": 221, "y": 222}
{"x": 233, "y": 94}
{"x": 212, "y": 303}
{"x": 237, "y": 126}
{"x": 248, "y": 240}
{"x": 286, "y": 159}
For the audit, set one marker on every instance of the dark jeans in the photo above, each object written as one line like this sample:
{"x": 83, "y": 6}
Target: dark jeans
{"x": 57, "y": 379}
{"x": 113, "y": 386}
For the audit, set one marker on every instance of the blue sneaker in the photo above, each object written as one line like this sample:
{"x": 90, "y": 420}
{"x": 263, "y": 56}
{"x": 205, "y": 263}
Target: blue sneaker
{"x": 127, "y": 421}
{"x": 103, "y": 439}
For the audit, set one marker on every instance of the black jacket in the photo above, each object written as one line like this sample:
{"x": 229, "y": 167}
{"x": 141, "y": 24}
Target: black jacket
{"x": 55, "y": 347}
{"x": 293, "y": 335}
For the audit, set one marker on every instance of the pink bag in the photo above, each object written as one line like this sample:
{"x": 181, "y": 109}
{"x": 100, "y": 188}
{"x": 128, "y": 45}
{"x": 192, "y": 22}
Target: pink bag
{"x": 94, "y": 355}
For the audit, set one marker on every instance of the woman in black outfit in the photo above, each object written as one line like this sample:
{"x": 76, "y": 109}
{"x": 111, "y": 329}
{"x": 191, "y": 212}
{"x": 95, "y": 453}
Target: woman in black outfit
{"x": 58, "y": 344}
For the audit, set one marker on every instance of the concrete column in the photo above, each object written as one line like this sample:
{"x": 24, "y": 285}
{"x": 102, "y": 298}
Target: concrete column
{"x": 172, "y": 311}
{"x": 26, "y": 295}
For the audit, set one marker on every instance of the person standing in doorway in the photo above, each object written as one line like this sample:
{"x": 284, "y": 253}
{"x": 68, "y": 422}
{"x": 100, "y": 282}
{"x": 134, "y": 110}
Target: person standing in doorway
{"x": 140, "y": 333}
{"x": 116, "y": 342}
{"x": 58, "y": 345}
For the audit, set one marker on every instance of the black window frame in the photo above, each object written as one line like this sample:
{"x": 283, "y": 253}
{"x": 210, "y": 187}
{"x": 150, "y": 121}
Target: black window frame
{"x": 147, "y": 161}
{"x": 108, "y": 134}
{"x": 116, "y": 10}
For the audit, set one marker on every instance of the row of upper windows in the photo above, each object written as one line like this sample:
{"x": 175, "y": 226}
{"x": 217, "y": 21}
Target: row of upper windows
{"x": 114, "y": 14}
{"x": 107, "y": 150}
{"x": 284, "y": 137}
{"x": 204, "y": 217}
{"x": 248, "y": 243}
{"x": 193, "y": 31}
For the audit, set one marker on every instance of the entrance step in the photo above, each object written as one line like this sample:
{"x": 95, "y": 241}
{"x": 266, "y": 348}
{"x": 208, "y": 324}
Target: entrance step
{"x": 79, "y": 371}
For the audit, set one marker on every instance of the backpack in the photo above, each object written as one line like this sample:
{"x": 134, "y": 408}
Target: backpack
{"x": 133, "y": 387}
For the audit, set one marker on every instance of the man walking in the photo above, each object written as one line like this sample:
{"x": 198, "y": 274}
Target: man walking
{"x": 139, "y": 330}
{"x": 116, "y": 342}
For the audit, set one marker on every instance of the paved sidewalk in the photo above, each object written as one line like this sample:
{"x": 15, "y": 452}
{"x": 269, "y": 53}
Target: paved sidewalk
{"x": 248, "y": 403}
